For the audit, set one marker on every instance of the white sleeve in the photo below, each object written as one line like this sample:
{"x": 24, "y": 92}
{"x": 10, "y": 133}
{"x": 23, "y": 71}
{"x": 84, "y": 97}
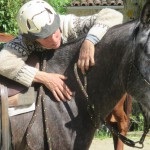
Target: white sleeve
{"x": 105, "y": 19}
{"x": 12, "y": 66}
{"x": 94, "y": 26}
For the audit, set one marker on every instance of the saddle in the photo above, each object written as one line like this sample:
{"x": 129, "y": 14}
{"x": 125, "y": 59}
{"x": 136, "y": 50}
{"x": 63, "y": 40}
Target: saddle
{"x": 10, "y": 88}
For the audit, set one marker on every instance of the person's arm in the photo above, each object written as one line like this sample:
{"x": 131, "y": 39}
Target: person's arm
{"x": 105, "y": 19}
{"x": 94, "y": 27}
{"x": 12, "y": 60}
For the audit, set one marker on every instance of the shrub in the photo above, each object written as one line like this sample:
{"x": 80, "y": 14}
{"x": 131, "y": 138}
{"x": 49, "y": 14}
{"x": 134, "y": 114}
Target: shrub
{"x": 9, "y": 9}
{"x": 59, "y": 5}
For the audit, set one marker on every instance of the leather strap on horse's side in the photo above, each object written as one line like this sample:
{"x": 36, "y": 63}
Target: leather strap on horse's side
{"x": 6, "y": 141}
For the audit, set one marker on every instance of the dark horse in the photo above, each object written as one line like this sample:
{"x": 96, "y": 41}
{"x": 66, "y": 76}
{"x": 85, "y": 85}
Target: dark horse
{"x": 122, "y": 65}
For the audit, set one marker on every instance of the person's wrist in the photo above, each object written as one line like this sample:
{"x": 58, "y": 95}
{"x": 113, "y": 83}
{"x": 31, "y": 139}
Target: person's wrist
{"x": 39, "y": 77}
{"x": 92, "y": 38}
{"x": 89, "y": 41}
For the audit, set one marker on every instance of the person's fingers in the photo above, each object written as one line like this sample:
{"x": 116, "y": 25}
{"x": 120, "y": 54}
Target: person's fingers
{"x": 69, "y": 91}
{"x": 92, "y": 61}
{"x": 62, "y": 77}
{"x": 66, "y": 91}
{"x": 63, "y": 92}
{"x": 65, "y": 88}
{"x": 82, "y": 67}
{"x": 60, "y": 94}
{"x": 67, "y": 95}
{"x": 87, "y": 63}
{"x": 79, "y": 63}
{"x": 56, "y": 96}
{"x": 58, "y": 87}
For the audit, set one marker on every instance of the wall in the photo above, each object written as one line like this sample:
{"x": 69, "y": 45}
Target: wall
{"x": 131, "y": 9}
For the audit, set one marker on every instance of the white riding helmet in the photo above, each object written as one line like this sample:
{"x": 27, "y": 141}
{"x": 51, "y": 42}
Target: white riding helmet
{"x": 37, "y": 19}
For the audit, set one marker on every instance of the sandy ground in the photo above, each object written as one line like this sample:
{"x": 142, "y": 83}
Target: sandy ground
{"x": 107, "y": 144}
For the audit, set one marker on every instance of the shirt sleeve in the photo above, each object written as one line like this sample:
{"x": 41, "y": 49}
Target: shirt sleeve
{"x": 13, "y": 66}
{"x": 105, "y": 19}
{"x": 93, "y": 27}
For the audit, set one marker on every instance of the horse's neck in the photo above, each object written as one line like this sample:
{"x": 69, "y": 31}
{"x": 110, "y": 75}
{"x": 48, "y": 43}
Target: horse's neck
{"x": 116, "y": 47}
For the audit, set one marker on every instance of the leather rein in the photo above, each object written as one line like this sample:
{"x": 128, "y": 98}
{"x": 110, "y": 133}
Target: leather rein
{"x": 41, "y": 102}
{"x": 96, "y": 119}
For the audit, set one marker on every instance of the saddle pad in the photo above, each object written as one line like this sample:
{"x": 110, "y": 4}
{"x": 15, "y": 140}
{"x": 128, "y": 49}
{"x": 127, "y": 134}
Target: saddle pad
{"x": 13, "y": 87}
{"x": 13, "y": 111}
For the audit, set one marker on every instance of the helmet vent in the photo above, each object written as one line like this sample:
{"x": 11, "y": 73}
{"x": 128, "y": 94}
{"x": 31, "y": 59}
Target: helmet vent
{"x": 48, "y": 10}
{"x": 28, "y": 24}
{"x": 36, "y": 21}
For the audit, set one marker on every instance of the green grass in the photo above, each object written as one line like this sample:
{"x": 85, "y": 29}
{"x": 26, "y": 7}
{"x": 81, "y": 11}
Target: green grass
{"x": 1, "y": 45}
{"x": 102, "y": 133}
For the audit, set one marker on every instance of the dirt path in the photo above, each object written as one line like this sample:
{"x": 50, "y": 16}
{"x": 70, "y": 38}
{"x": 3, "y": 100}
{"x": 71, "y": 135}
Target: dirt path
{"x": 107, "y": 144}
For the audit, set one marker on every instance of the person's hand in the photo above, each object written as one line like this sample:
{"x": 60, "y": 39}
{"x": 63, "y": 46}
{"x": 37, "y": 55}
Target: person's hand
{"x": 55, "y": 83}
{"x": 86, "y": 56}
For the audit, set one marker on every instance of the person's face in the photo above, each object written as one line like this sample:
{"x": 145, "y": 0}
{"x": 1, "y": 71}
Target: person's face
{"x": 51, "y": 42}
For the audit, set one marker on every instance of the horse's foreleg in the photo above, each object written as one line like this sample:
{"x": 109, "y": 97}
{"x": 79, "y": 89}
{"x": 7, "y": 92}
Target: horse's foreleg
{"x": 122, "y": 124}
{"x": 122, "y": 118}
{"x": 122, "y": 127}
{"x": 120, "y": 121}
